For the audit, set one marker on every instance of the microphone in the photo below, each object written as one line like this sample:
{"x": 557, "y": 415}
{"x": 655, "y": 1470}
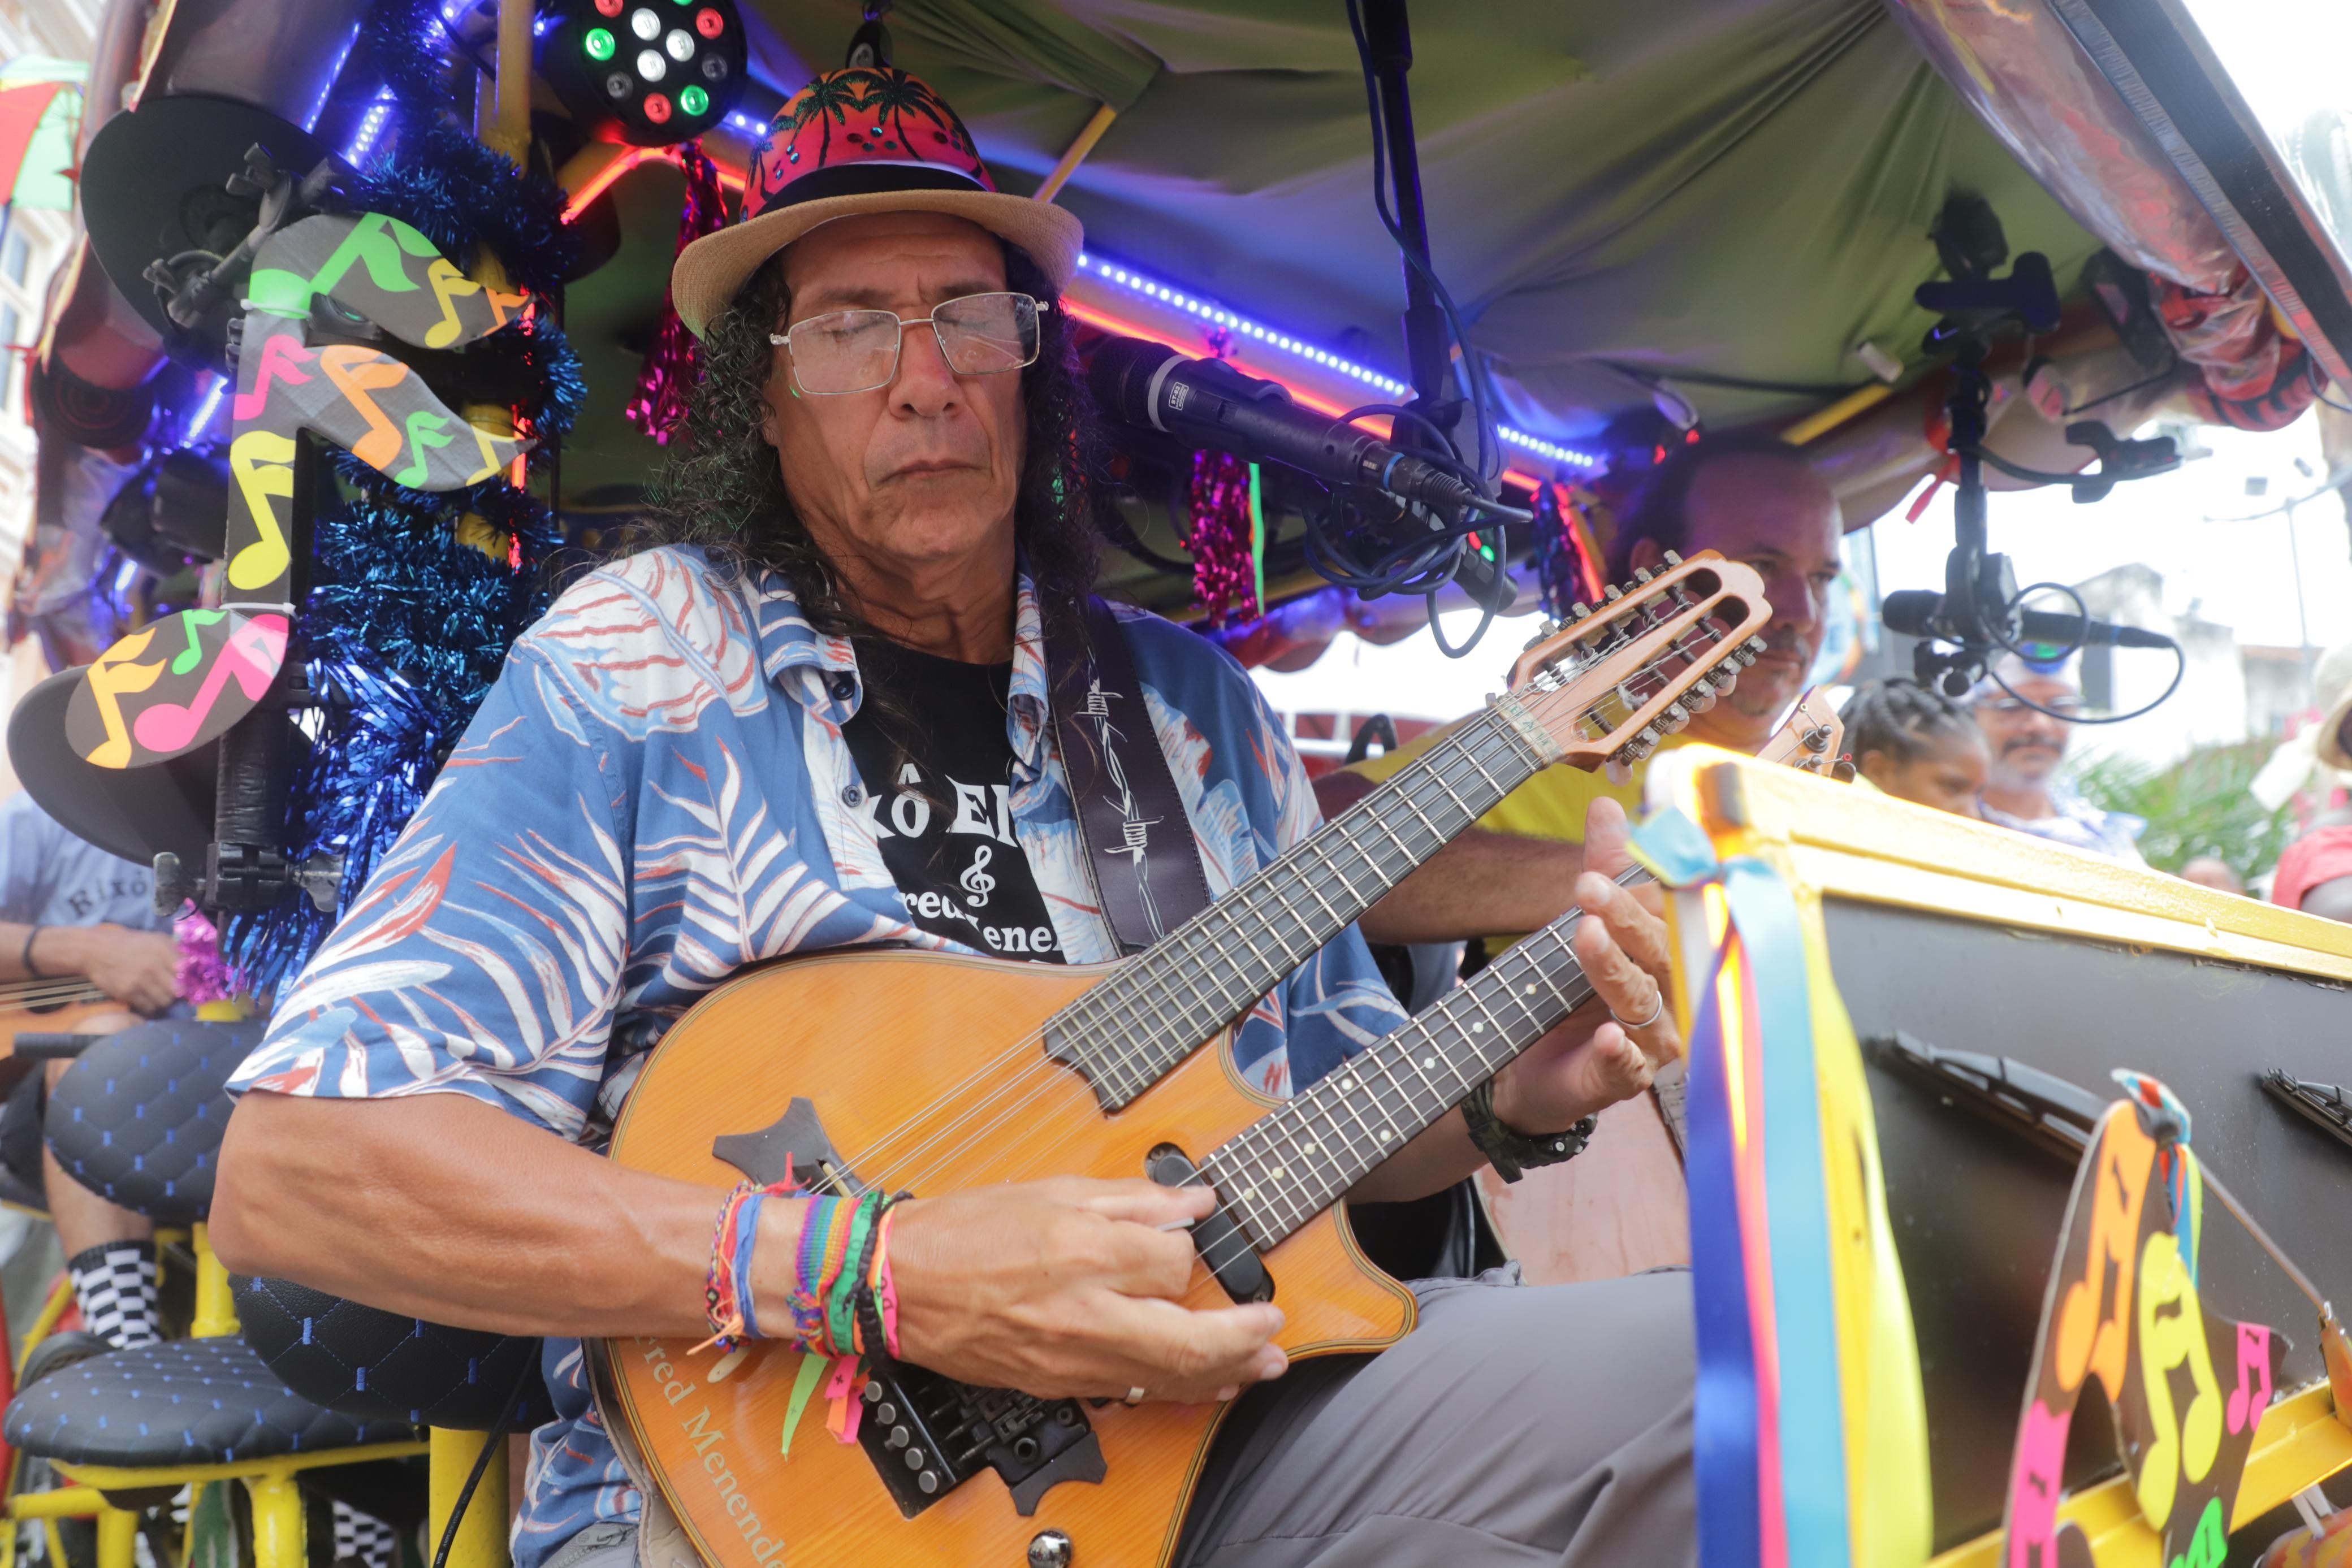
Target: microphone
{"x": 1916, "y": 613}
{"x": 1207, "y": 402}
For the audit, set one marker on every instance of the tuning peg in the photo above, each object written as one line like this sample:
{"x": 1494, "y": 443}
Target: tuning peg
{"x": 1672, "y": 560}
{"x": 1579, "y": 611}
{"x": 1675, "y": 717}
{"x": 1755, "y": 646}
{"x": 1612, "y": 593}
{"x": 1643, "y": 574}
{"x": 1817, "y": 739}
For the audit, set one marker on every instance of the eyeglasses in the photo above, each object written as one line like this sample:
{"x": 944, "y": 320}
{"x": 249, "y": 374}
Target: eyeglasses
{"x": 845, "y": 351}
{"x": 2067, "y": 706}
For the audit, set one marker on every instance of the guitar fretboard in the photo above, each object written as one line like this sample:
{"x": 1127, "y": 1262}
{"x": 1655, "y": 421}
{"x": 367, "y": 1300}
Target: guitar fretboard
{"x": 1128, "y": 1031}
{"x": 1298, "y": 1159}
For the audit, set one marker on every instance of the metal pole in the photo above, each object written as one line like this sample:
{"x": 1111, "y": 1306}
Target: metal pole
{"x": 1390, "y": 37}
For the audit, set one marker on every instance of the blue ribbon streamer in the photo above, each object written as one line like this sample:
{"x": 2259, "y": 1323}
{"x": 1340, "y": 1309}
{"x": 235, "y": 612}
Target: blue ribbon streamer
{"x": 1812, "y": 1412}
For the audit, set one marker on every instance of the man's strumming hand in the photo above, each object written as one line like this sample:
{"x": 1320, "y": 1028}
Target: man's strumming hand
{"x": 1069, "y": 1288}
{"x": 139, "y": 968}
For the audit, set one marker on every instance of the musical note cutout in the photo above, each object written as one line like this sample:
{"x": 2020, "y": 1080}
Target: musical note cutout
{"x": 2123, "y": 1307}
{"x": 130, "y": 712}
{"x": 372, "y": 403}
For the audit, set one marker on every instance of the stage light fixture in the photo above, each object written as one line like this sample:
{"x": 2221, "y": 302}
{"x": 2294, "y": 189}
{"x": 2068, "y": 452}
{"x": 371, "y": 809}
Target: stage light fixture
{"x": 647, "y": 72}
{"x": 2250, "y": 101}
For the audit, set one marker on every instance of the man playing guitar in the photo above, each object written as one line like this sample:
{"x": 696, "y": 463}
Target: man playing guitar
{"x": 818, "y": 719}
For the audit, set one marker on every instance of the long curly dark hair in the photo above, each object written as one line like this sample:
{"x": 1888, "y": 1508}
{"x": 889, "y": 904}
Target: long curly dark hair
{"x": 722, "y": 489}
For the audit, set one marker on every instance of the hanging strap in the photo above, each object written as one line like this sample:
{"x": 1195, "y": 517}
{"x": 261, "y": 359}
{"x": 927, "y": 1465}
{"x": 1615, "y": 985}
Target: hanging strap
{"x": 1139, "y": 844}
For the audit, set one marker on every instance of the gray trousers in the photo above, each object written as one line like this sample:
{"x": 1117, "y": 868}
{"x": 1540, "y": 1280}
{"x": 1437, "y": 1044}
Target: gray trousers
{"x": 1514, "y": 1426}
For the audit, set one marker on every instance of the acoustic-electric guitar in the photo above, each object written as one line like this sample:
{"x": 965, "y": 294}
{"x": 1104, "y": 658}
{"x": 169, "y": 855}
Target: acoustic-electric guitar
{"x": 931, "y": 1071}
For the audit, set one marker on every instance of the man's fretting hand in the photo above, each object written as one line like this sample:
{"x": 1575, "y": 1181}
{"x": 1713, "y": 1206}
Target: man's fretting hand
{"x": 1592, "y": 1062}
{"x": 1068, "y": 1288}
{"x": 139, "y": 968}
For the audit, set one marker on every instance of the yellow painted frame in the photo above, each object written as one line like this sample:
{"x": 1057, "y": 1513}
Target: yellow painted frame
{"x": 1825, "y": 839}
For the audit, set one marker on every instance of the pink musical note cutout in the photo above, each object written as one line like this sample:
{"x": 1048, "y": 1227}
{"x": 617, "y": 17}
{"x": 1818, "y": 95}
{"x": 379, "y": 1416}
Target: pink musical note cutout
{"x": 250, "y": 657}
{"x": 2036, "y": 1486}
{"x": 2253, "y": 1395}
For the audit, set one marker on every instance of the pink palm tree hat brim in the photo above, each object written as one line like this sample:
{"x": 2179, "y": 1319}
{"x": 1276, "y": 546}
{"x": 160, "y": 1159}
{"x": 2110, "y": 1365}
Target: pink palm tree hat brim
{"x": 868, "y": 138}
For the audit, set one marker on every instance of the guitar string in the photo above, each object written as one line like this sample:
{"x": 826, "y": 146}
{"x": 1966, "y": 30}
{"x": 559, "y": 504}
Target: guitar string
{"x": 1039, "y": 1070}
{"x": 45, "y": 992}
{"x": 939, "y": 1157}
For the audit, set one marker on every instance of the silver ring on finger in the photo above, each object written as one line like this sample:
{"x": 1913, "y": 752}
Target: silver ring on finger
{"x": 1134, "y": 1397}
{"x": 1657, "y": 1010}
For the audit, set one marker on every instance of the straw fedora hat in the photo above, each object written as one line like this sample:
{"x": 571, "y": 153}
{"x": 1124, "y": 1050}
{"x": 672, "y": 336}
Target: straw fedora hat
{"x": 2331, "y": 684}
{"x": 865, "y": 139}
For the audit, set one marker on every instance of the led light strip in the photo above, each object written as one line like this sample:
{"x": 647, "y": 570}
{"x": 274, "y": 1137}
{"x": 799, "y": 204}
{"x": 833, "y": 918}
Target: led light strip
{"x": 1217, "y": 315}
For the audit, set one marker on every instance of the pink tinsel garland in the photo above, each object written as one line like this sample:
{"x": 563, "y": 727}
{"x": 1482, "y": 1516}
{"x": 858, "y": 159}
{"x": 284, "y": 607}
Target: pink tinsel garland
{"x": 1224, "y": 568}
{"x": 204, "y": 976}
{"x": 673, "y": 358}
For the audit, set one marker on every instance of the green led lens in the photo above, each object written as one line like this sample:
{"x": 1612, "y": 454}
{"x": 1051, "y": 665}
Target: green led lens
{"x": 693, "y": 100}
{"x": 598, "y": 44}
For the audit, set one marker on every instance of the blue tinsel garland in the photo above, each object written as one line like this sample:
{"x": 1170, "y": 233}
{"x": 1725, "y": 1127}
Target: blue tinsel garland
{"x": 405, "y": 626}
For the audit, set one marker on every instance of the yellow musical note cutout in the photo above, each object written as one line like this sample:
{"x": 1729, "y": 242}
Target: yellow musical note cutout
{"x": 112, "y": 678}
{"x": 263, "y": 464}
{"x": 449, "y": 285}
{"x": 2172, "y": 1334}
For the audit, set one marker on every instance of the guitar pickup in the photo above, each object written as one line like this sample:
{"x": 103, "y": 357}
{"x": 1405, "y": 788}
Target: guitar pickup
{"x": 1218, "y": 1240}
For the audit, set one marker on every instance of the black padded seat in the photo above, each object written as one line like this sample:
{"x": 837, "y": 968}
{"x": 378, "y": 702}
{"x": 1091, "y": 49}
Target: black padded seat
{"x": 379, "y": 1365}
{"x": 138, "y": 1119}
{"x": 182, "y": 1402}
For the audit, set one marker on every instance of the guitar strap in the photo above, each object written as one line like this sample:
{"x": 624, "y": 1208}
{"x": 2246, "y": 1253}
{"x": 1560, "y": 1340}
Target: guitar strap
{"x": 1140, "y": 853}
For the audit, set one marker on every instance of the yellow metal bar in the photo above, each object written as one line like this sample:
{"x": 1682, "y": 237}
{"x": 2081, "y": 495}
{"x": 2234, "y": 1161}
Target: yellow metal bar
{"x": 277, "y": 1521}
{"x": 1075, "y": 153}
{"x": 66, "y": 1503}
{"x": 2299, "y": 1443}
{"x": 56, "y": 1539}
{"x": 482, "y": 1538}
{"x": 122, "y": 1478}
{"x": 1826, "y": 420}
{"x": 61, "y": 1295}
{"x": 509, "y": 128}
{"x": 116, "y": 1530}
{"x": 215, "y": 1306}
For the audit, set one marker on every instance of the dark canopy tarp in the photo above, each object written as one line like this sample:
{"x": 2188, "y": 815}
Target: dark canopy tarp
{"x": 1734, "y": 188}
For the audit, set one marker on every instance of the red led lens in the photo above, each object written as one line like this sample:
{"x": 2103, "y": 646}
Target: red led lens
{"x": 657, "y": 108}
{"x": 609, "y": 7}
{"x": 707, "y": 22}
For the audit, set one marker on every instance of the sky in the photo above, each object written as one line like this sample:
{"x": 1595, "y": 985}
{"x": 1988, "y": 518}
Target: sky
{"x": 2196, "y": 526}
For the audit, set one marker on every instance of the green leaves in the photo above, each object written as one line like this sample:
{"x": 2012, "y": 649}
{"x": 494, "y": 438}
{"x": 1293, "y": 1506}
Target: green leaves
{"x": 2199, "y": 806}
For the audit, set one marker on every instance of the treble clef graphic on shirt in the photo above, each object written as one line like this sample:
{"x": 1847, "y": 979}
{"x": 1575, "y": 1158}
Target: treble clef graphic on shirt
{"x": 976, "y": 881}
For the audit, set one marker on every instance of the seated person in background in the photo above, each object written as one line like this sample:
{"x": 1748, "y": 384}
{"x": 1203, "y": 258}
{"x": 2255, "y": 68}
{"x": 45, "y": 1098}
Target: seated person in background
{"x": 1916, "y": 745}
{"x": 1750, "y": 498}
{"x": 2025, "y": 790}
{"x": 2314, "y": 875}
{"x": 68, "y": 909}
{"x": 2213, "y": 871}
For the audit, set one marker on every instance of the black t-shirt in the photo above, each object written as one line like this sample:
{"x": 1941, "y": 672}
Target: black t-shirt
{"x": 943, "y": 812}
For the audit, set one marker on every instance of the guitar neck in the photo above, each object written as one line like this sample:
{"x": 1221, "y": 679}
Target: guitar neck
{"x": 1297, "y": 1160}
{"x": 1128, "y": 1031}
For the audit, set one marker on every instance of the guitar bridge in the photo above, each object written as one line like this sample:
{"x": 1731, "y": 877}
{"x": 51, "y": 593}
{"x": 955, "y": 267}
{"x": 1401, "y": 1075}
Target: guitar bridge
{"x": 928, "y": 1435}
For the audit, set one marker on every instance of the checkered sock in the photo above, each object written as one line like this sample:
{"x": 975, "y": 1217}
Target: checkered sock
{"x": 115, "y": 1283}
{"x": 364, "y": 1537}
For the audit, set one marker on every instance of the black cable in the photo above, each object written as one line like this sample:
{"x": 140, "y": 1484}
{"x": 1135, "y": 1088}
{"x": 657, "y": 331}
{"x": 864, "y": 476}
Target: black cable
{"x": 2179, "y": 672}
{"x": 2164, "y": 374}
{"x": 493, "y": 1444}
{"x": 1473, "y": 371}
{"x": 2017, "y": 601}
{"x": 2311, "y": 370}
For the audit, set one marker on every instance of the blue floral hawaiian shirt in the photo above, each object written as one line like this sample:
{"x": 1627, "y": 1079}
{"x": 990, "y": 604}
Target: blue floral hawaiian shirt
{"x": 656, "y": 793}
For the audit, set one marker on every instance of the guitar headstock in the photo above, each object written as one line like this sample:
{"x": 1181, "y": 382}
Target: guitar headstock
{"x": 1613, "y": 680}
{"x": 1812, "y": 739}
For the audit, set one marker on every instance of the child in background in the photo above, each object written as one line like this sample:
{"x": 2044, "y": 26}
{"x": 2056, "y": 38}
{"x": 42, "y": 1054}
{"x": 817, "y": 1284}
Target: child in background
{"x": 1916, "y": 745}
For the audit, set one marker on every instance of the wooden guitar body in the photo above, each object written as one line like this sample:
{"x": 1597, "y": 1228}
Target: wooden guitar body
{"x": 882, "y": 1048}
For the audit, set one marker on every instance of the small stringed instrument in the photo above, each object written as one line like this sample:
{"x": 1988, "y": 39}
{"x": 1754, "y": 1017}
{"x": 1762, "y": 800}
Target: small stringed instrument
{"x": 44, "y": 1007}
{"x": 929, "y": 1071}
